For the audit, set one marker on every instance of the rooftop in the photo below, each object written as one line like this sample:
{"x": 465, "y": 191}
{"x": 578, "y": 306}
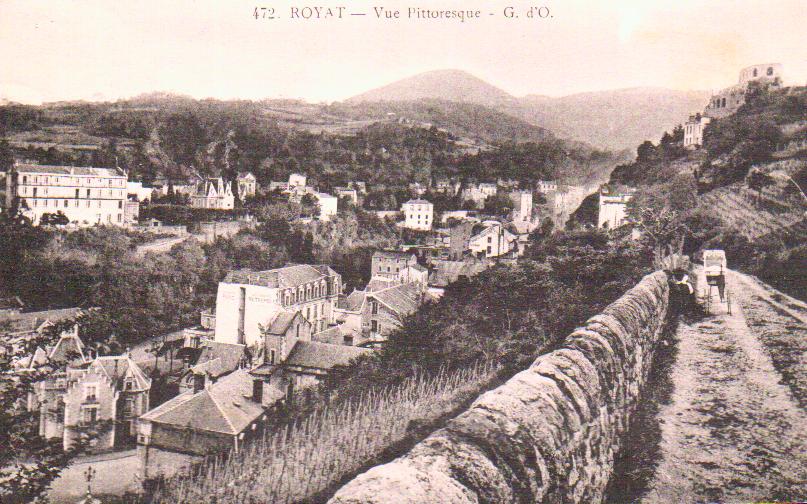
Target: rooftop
{"x": 69, "y": 170}
{"x": 353, "y": 302}
{"x": 417, "y": 202}
{"x": 287, "y": 276}
{"x": 31, "y": 321}
{"x": 313, "y": 354}
{"x": 224, "y": 407}
{"x": 117, "y": 368}
{"x": 392, "y": 254}
{"x": 402, "y": 299}
{"x": 281, "y": 322}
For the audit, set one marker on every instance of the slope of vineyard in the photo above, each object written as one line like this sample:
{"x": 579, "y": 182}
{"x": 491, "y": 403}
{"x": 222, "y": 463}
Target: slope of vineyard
{"x": 770, "y": 215}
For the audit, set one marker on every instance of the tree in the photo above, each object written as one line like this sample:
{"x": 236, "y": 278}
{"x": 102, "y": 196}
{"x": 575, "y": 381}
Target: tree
{"x": 758, "y": 180}
{"x": 645, "y": 152}
{"x": 51, "y": 219}
{"x": 28, "y": 463}
{"x": 498, "y": 204}
{"x": 310, "y": 204}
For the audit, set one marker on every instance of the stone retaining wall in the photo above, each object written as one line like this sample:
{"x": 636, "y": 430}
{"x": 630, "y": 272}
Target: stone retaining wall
{"x": 550, "y": 433}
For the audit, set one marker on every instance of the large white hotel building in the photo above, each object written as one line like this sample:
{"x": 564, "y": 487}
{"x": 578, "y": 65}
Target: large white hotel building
{"x": 85, "y": 195}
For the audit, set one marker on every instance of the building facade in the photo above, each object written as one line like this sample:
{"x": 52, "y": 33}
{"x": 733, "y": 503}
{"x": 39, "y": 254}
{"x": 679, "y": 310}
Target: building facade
{"x": 247, "y": 185}
{"x": 727, "y": 101}
{"x": 693, "y": 130}
{"x": 418, "y": 214}
{"x": 112, "y": 391}
{"x": 85, "y": 195}
{"x": 328, "y": 205}
{"x": 522, "y": 205}
{"x": 546, "y": 186}
{"x": 247, "y": 300}
{"x": 492, "y": 241}
{"x": 612, "y": 206}
{"x": 389, "y": 263}
{"x": 213, "y": 193}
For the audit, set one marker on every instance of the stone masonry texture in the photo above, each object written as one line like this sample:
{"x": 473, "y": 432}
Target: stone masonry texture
{"x": 549, "y": 434}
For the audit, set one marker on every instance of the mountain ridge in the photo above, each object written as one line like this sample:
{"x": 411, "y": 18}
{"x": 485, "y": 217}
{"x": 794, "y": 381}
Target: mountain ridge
{"x": 614, "y": 119}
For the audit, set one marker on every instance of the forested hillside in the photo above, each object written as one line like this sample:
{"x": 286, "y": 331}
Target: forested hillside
{"x": 174, "y": 136}
{"x": 742, "y": 191}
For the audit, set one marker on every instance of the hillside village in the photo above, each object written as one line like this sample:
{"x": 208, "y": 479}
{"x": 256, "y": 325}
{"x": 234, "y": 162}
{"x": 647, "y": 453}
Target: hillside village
{"x": 280, "y": 288}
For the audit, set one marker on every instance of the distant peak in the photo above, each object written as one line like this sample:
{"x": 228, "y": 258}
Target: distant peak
{"x": 443, "y": 84}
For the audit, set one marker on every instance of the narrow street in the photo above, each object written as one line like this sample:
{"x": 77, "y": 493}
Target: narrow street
{"x": 732, "y": 428}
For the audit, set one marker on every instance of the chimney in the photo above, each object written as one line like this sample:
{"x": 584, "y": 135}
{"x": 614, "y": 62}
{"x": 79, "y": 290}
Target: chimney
{"x": 257, "y": 390}
{"x": 198, "y": 383}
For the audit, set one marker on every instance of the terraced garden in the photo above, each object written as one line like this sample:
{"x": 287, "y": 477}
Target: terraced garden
{"x": 772, "y": 215}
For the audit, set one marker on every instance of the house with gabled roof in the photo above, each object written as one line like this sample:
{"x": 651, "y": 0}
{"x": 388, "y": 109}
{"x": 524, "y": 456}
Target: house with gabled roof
{"x": 491, "y": 239}
{"x": 374, "y": 314}
{"x": 109, "y": 394}
{"x": 212, "y": 360}
{"x": 213, "y": 193}
{"x": 210, "y": 418}
{"x": 247, "y": 184}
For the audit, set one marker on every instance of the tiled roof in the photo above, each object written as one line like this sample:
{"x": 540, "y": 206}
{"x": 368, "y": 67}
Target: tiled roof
{"x": 281, "y": 322}
{"x": 353, "y": 302}
{"x": 68, "y": 170}
{"x": 32, "y": 321}
{"x": 392, "y": 254}
{"x": 225, "y": 407}
{"x": 287, "y": 276}
{"x": 402, "y": 299}
{"x": 67, "y": 348}
{"x": 312, "y": 354}
{"x": 418, "y": 267}
{"x": 118, "y": 367}
{"x": 417, "y": 202}
{"x": 446, "y": 272}
{"x": 377, "y": 283}
{"x": 229, "y": 355}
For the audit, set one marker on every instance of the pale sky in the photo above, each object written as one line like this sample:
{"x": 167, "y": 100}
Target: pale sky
{"x": 108, "y": 49}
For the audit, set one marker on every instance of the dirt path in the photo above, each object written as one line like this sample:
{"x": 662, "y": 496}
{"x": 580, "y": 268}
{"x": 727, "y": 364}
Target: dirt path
{"x": 732, "y": 430}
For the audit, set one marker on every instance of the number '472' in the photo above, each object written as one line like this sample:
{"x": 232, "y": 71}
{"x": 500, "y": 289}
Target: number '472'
{"x": 263, "y": 13}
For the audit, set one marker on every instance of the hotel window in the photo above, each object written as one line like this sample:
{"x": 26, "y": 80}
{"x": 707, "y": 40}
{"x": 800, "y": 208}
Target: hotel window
{"x": 120, "y": 204}
{"x": 77, "y": 193}
{"x": 24, "y": 179}
{"x": 89, "y": 392}
{"x": 374, "y": 325}
{"x": 35, "y": 191}
{"x": 88, "y": 193}
{"x": 272, "y": 356}
{"x": 66, "y": 203}
{"x": 374, "y": 307}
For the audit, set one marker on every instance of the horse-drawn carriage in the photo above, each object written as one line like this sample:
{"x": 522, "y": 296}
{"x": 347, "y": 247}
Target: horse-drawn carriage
{"x": 714, "y": 265}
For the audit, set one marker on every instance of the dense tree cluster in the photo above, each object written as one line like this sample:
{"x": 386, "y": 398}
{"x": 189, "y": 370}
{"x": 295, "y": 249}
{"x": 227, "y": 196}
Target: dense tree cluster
{"x": 508, "y": 314}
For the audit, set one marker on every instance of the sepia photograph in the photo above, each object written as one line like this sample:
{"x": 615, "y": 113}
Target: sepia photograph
{"x": 403, "y": 252}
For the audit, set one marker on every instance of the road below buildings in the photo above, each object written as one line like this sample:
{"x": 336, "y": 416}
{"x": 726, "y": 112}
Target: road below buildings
{"x": 726, "y": 420}
{"x": 115, "y": 473}
{"x": 160, "y": 246}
